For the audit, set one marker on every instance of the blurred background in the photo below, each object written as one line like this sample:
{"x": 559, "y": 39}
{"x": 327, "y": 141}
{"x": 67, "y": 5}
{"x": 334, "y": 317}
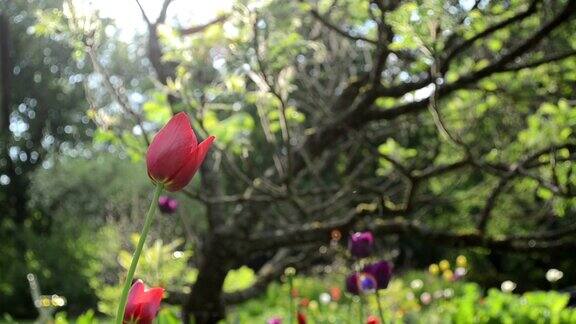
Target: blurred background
{"x": 444, "y": 127}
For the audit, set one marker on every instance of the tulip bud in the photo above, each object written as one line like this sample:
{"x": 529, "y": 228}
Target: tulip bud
{"x": 174, "y": 155}
{"x": 381, "y": 271}
{"x": 167, "y": 205}
{"x": 360, "y": 244}
{"x": 372, "y": 320}
{"x": 143, "y": 303}
{"x": 301, "y": 318}
{"x": 352, "y": 284}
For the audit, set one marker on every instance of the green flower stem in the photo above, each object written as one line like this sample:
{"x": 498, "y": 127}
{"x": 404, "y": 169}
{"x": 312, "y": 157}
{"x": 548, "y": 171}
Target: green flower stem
{"x": 136, "y": 256}
{"x": 361, "y": 308}
{"x": 380, "y": 310}
{"x": 292, "y": 310}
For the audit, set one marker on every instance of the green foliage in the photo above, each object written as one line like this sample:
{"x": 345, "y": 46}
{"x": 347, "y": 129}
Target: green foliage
{"x": 77, "y": 199}
{"x": 168, "y": 315}
{"x": 157, "y": 109}
{"x": 239, "y": 279}
{"x": 161, "y": 265}
{"x": 450, "y": 302}
{"x": 81, "y": 188}
{"x": 551, "y": 124}
{"x": 233, "y": 131}
{"x": 64, "y": 264}
{"x": 235, "y": 79}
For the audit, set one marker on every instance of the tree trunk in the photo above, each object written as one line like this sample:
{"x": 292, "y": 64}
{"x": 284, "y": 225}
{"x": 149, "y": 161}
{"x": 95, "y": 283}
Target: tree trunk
{"x": 205, "y": 301}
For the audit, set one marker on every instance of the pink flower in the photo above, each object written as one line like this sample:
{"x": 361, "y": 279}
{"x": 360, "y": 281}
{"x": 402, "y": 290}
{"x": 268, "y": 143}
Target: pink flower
{"x": 167, "y": 205}
{"x": 274, "y": 320}
{"x": 174, "y": 155}
{"x": 143, "y": 304}
{"x": 372, "y": 320}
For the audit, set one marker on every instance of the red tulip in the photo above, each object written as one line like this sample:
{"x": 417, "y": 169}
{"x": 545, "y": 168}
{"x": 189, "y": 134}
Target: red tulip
{"x": 174, "y": 155}
{"x": 143, "y": 304}
{"x": 372, "y": 320}
{"x": 301, "y": 318}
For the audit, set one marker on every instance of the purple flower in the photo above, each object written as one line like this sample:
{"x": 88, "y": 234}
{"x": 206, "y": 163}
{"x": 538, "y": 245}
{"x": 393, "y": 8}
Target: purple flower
{"x": 167, "y": 205}
{"x": 274, "y": 320}
{"x": 352, "y": 284}
{"x": 361, "y": 282}
{"x": 381, "y": 271}
{"x": 360, "y": 244}
{"x": 367, "y": 282}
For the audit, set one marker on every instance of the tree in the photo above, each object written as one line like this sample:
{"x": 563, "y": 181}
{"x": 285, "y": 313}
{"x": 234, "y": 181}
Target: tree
{"x": 446, "y": 121}
{"x": 31, "y": 126}
{"x": 42, "y": 113}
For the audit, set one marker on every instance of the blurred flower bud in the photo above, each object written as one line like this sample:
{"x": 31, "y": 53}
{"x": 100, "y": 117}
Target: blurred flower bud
{"x": 416, "y": 284}
{"x": 554, "y": 275}
{"x": 290, "y": 272}
{"x": 274, "y": 320}
{"x": 508, "y": 286}
{"x": 301, "y": 318}
{"x": 448, "y": 275}
{"x": 444, "y": 265}
{"x": 335, "y": 293}
{"x": 426, "y": 298}
{"x": 335, "y": 235}
{"x": 461, "y": 261}
{"x": 372, "y": 320}
{"x": 167, "y": 205}
{"x": 361, "y": 244}
{"x": 459, "y": 273}
{"x": 325, "y": 298}
{"x": 352, "y": 284}
{"x": 313, "y": 305}
{"x": 294, "y": 293}
{"x": 434, "y": 269}
{"x": 381, "y": 271}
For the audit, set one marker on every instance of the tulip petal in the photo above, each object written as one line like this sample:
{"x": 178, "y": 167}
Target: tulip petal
{"x": 170, "y": 147}
{"x": 143, "y": 303}
{"x": 153, "y": 297}
{"x": 134, "y": 294}
{"x": 185, "y": 174}
{"x": 136, "y": 290}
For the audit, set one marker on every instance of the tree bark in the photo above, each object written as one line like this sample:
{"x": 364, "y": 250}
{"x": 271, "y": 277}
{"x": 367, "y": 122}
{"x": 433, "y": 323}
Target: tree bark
{"x": 205, "y": 302}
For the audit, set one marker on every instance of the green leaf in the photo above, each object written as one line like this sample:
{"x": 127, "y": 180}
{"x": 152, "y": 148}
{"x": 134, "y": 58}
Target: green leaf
{"x": 239, "y": 279}
{"x": 157, "y": 109}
